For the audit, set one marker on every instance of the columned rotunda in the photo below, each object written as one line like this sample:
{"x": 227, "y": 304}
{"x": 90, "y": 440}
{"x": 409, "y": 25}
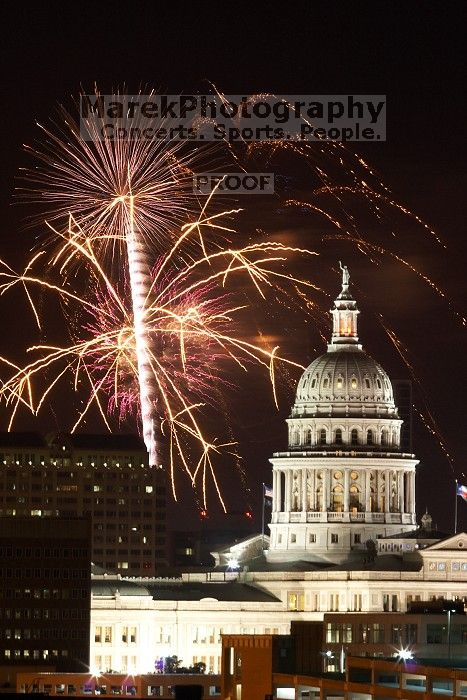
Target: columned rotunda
{"x": 343, "y": 480}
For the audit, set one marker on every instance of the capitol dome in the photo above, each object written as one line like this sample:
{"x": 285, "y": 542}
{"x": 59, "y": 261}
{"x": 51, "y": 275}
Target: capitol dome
{"x": 344, "y": 381}
{"x": 339, "y": 379}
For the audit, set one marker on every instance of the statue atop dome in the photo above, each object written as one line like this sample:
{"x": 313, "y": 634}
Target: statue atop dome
{"x": 345, "y": 278}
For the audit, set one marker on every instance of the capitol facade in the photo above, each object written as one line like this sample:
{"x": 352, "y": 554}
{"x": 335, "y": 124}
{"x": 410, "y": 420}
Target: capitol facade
{"x": 343, "y": 532}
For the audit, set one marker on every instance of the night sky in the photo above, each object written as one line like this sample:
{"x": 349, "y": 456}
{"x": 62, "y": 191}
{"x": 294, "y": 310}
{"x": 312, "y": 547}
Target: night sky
{"x": 412, "y": 52}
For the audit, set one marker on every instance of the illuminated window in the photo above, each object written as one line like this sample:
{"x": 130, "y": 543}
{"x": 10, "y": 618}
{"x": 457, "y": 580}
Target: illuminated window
{"x": 353, "y": 383}
{"x": 338, "y": 475}
{"x": 340, "y": 382}
{"x": 296, "y": 601}
{"x": 354, "y": 475}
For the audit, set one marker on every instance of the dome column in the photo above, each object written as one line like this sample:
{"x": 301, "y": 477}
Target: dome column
{"x": 401, "y": 498}
{"x": 346, "y": 490}
{"x": 303, "y": 495}
{"x": 276, "y": 490}
{"x": 387, "y": 491}
{"x": 324, "y": 492}
{"x": 288, "y": 490}
{"x": 367, "y": 493}
{"x": 412, "y": 492}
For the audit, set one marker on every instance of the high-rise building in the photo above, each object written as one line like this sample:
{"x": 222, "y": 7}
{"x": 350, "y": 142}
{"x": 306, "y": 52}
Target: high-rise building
{"x": 104, "y": 477}
{"x": 45, "y": 592}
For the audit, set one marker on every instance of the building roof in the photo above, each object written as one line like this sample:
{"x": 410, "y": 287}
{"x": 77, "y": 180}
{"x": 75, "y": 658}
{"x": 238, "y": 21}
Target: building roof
{"x": 110, "y": 587}
{"x": 229, "y": 591}
{"x": 85, "y": 441}
{"x": 418, "y": 534}
{"x": 27, "y": 439}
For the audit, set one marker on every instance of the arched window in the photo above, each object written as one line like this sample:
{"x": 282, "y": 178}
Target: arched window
{"x": 369, "y": 437}
{"x": 322, "y": 436}
{"x": 326, "y": 383}
{"x": 338, "y": 499}
{"x": 313, "y": 382}
{"x": 340, "y": 382}
{"x": 354, "y": 436}
{"x": 367, "y": 383}
{"x": 384, "y": 437}
{"x": 353, "y": 383}
{"x": 307, "y": 437}
{"x": 338, "y": 436}
{"x": 378, "y": 383}
{"x": 296, "y": 437}
{"x": 354, "y": 499}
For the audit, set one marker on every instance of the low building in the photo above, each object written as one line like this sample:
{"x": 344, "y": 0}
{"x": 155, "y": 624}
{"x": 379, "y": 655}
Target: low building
{"x": 110, "y": 684}
{"x": 252, "y": 668}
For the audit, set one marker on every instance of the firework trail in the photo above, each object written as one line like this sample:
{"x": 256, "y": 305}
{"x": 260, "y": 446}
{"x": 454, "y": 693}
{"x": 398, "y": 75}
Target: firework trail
{"x": 129, "y": 197}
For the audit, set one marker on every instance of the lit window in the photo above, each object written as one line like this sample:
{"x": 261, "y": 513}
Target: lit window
{"x": 353, "y": 383}
{"x": 339, "y": 382}
{"x": 149, "y": 489}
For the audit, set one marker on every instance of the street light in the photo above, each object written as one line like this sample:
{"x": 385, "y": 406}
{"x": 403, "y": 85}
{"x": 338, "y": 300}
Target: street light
{"x": 405, "y": 654}
{"x": 449, "y": 607}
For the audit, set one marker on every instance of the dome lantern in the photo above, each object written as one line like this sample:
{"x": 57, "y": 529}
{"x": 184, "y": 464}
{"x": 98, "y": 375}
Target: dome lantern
{"x": 344, "y": 315}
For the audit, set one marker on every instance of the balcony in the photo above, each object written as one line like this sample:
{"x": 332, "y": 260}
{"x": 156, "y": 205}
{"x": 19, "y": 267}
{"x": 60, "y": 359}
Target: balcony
{"x": 335, "y": 517}
{"x": 357, "y": 517}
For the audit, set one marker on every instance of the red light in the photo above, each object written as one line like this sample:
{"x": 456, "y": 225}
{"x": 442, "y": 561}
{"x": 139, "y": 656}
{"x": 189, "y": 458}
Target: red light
{"x": 248, "y": 514}
{"x": 203, "y": 514}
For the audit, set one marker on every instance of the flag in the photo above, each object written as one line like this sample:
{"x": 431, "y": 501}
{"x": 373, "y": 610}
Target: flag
{"x": 268, "y": 491}
{"x": 462, "y": 491}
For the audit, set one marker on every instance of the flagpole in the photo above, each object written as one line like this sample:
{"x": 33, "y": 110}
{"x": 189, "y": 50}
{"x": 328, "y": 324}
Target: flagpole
{"x": 455, "y": 512}
{"x": 262, "y": 522}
